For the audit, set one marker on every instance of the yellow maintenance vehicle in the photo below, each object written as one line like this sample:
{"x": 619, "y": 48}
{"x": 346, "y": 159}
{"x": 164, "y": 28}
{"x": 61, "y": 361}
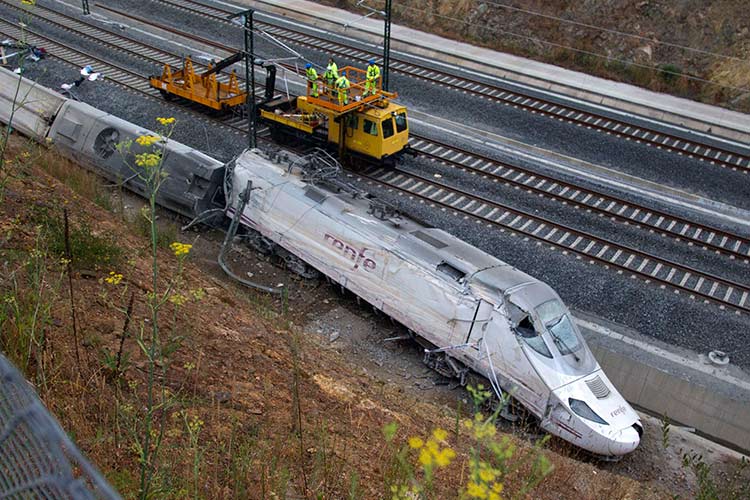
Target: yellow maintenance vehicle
{"x": 369, "y": 125}
{"x": 203, "y": 88}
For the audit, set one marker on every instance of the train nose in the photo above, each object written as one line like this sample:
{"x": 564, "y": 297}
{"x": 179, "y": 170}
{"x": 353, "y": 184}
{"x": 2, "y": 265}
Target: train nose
{"x": 624, "y": 441}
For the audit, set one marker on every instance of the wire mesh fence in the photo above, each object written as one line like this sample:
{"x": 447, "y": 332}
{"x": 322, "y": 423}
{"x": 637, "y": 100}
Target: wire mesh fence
{"x": 37, "y": 459}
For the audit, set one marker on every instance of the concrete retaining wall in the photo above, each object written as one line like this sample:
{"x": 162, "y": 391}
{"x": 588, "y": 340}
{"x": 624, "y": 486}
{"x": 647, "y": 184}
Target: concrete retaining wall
{"x": 712, "y": 413}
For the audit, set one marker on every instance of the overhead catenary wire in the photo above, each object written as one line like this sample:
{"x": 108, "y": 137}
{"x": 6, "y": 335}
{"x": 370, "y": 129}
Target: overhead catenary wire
{"x": 582, "y": 51}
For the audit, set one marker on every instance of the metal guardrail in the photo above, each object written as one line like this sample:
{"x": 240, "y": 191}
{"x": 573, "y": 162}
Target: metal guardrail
{"x": 37, "y": 458}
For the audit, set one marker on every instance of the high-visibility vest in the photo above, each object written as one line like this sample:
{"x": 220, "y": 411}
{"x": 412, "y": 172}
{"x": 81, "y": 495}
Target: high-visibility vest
{"x": 373, "y": 72}
{"x": 332, "y": 72}
{"x": 312, "y": 75}
{"x": 343, "y": 83}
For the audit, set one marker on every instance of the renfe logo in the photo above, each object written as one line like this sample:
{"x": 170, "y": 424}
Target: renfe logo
{"x": 358, "y": 257}
{"x": 618, "y": 411}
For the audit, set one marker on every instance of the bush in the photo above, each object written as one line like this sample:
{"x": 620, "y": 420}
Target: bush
{"x": 670, "y": 73}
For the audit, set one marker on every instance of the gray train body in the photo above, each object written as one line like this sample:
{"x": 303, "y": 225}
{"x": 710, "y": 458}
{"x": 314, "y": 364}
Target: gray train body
{"x": 474, "y": 310}
{"x": 89, "y": 136}
{"x": 471, "y": 309}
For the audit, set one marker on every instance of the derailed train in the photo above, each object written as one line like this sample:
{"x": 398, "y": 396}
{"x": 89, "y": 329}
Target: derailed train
{"x": 469, "y": 309}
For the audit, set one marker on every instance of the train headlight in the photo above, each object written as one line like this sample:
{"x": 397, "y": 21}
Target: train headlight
{"x": 581, "y": 409}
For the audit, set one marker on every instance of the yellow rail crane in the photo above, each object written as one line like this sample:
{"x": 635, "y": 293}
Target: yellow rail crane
{"x": 369, "y": 125}
{"x": 203, "y": 88}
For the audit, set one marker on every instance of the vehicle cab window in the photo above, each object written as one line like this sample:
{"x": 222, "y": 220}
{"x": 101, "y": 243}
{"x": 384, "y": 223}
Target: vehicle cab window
{"x": 400, "y": 119}
{"x": 370, "y": 127}
{"x": 556, "y": 319}
{"x": 524, "y": 328}
{"x": 387, "y": 127}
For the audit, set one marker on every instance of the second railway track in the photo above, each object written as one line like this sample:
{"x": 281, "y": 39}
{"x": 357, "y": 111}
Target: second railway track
{"x": 697, "y": 284}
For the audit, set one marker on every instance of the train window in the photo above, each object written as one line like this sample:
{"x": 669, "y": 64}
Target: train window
{"x": 400, "y": 121}
{"x": 564, "y": 335}
{"x": 528, "y": 333}
{"x": 555, "y": 317}
{"x": 387, "y": 128}
{"x": 353, "y": 122}
{"x": 370, "y": 127}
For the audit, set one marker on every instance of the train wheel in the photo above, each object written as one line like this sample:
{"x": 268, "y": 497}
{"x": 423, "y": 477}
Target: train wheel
{"x": 296, "y": 265}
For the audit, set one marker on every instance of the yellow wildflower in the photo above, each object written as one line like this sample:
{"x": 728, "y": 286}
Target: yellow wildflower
{"x": 439, "y": 434}
{"x": 444, "y": 457}
{"x": 180, "y": 249}
{"x": 475, "y": 490}
{"x": 113, "y": 278}
{"x": 147, "y": 160}
{"x": 165, "y": 121}
{"x": 415, "y": 442}
{"x": 177, "y": 299}
{"x": 425, "y": 457}
{"x": 486, "y": 475}
{"x": 147, "y": 140}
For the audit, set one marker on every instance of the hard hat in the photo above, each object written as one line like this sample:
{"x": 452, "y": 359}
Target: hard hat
{"x": 371, "y": 61}
{"x": 343, "y": 73}
{"x": 308, "y": 66}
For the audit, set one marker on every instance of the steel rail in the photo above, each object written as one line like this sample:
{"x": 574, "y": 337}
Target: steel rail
{"x": 727, "y": 293}
{"x": 672, "y": 142}
{"x": 614, "y": 207}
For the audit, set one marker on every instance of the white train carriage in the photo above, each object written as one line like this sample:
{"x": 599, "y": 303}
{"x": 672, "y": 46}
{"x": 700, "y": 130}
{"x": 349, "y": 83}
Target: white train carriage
{"x": 504, "y": 324}
{"x": 32, "y": 106}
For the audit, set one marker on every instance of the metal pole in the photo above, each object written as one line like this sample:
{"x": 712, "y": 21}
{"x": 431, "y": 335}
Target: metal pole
{"x": 387, "y": 44}
{"x": 249, "y": 60}
{"x": 85, "y": 5}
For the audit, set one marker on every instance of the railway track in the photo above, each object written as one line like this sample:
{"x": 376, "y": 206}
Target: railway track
{"x": 724, "y": 157}
{"x": 120, "y": 43}
{"x": 723, "y": 242}
{"x": 652, "y": 268}
{"x": 697, "y": 284}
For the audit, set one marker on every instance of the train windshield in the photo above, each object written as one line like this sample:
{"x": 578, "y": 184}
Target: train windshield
{"x": 565, "y": 337}
{"x": 555, "y": 318}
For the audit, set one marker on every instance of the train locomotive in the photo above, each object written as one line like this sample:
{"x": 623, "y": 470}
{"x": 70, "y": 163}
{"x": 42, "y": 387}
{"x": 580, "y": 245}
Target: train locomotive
{"x": 372, "y": 127}
{"x": 471, "y": 311}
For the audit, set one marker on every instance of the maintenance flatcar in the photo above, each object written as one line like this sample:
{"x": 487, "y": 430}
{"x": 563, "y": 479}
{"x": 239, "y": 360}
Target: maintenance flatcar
{"x": 366, "y": 124}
